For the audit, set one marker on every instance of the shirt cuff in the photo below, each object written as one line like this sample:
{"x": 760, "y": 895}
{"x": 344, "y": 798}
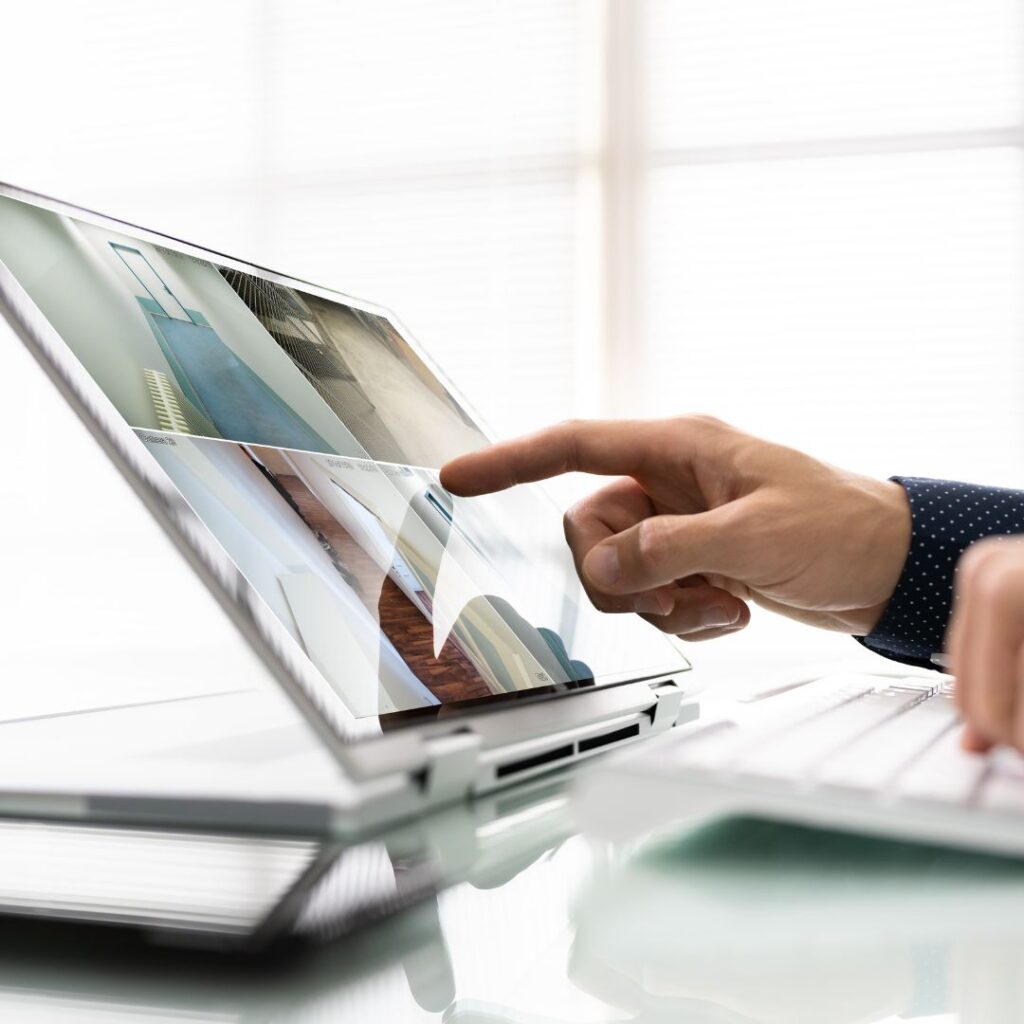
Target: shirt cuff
{"x": 947, "y": 517}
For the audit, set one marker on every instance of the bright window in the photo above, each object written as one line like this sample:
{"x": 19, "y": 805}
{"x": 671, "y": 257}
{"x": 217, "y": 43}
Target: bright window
{"x": 806, "y": 216}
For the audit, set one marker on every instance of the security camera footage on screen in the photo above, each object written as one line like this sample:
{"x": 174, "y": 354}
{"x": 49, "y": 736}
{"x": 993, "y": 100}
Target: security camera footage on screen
{"x": 306, "y": 434}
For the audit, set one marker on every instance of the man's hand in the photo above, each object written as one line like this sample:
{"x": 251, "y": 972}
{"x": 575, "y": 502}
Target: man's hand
{"x": 986, "y": 643}
{"x": 705, "y": 518}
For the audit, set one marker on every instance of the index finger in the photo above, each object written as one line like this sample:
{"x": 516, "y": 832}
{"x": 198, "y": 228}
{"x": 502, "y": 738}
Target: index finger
{"x": 607, "y": 447}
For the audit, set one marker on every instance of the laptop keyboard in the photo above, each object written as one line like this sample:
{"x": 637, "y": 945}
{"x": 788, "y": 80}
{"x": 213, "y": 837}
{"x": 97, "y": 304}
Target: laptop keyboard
{"x": 896, "y": 738}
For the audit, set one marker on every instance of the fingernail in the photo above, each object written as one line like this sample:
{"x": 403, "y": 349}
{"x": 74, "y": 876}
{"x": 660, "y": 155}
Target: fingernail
{"x": 602, "y": 565}
{"x": 652, "y": 604}
{"x": 716, "y": 615}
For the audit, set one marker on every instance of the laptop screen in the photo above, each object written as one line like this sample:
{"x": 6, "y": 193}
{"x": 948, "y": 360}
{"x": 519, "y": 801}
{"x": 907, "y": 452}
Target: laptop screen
{"x": 306, "y": 433}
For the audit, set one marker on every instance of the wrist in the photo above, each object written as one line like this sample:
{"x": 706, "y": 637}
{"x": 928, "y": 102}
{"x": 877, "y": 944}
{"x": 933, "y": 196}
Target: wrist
{"x": 884, "y": 548}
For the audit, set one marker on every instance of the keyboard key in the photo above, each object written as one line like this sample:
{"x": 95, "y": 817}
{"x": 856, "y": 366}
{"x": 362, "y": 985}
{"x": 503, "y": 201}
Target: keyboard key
{"x": 944, "y": 772}
{"x": 721, "y": 750}
{"x": 1003, "y": 788}
{"x": 796, "y": 752}
{"x": 1003, "y": 793}
{"x": 772, "y": 684}
{"x": 873, "y": 761}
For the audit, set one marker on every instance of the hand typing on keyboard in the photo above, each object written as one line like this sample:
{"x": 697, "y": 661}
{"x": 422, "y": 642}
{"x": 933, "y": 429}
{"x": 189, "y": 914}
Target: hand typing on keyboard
{"x": 986, "y": 643}
{"x": 705, "y": 518}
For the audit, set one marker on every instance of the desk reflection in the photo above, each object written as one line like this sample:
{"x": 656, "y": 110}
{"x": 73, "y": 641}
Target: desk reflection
{"x": 752, "y": 921}
{"x": 398, "y": 969}
{"x": 737, "y": 923}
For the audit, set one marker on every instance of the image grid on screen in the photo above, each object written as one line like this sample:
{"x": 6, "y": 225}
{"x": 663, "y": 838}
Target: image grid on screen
{"x": 306, "y": 434}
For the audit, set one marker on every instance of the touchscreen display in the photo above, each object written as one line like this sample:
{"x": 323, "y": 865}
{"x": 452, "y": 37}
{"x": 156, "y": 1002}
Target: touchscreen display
{"x": 306, "y": 433}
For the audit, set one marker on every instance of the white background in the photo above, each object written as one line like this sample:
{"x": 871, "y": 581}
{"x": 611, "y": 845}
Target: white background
{"x": 806, "y": 216}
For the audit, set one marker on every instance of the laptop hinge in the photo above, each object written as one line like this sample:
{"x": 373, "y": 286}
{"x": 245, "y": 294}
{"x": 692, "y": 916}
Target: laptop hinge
{"x": 666, "y": 711}
{"x": 452, "y": 762}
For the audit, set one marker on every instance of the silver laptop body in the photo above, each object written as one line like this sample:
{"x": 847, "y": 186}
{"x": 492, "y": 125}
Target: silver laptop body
{"x": 432, "y": 649}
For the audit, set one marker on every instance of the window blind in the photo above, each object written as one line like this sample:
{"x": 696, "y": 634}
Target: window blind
{"x": 424, "y": 156}
{"x": 834, "y": 226}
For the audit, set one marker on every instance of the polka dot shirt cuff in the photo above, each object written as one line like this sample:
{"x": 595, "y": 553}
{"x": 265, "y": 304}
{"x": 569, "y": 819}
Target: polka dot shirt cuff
{"x": 947, "y": 518}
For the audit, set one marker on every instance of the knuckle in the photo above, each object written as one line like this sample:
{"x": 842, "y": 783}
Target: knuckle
{"x": 569, "y": 432}
{"x": 570, "y": 426}
{"x": 996, "y": 581}
{"x": 577, "y": 523}
{"x": 571, "y": 519}
{"x": 652, "y": 538}
{"x": 688, "y": 628}
{"x": 978, "y": 560}
{"x": 703, "y": 420}
{"x": 608, "y": 603}
{"x": 660, "y": 622}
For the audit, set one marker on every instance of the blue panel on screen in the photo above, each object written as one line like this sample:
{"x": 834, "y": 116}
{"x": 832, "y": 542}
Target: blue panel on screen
{"x": 236, "y": 400}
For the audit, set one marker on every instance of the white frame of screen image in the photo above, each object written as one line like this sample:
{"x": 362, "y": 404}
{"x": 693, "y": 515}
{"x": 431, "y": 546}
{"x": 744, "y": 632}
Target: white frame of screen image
{"x": 282, "y": 654}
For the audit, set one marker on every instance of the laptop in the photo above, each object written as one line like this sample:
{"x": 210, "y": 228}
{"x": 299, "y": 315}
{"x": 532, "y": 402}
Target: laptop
{"x": 286, "y": 438}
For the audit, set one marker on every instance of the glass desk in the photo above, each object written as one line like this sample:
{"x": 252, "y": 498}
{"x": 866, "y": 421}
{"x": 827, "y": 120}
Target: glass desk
{"x": 736, "y": 922}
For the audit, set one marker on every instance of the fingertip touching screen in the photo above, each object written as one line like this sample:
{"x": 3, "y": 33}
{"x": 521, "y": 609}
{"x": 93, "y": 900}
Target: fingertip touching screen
{"x": 306, "y": 433}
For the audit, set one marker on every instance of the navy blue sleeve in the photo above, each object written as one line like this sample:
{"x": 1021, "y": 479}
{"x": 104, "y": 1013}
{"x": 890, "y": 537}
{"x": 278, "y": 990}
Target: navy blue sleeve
{"x": 947, "y": 518}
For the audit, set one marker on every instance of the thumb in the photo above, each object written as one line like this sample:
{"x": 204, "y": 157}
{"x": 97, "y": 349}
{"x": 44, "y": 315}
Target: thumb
{"x": 661, "y": 549}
